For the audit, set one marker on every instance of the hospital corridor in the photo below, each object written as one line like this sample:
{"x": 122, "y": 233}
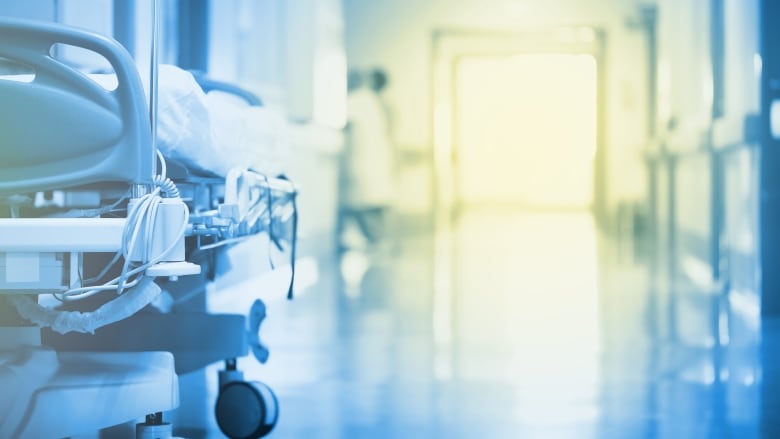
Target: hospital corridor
{"x": 405, "y": 359}
{"x": 384, "y": 219}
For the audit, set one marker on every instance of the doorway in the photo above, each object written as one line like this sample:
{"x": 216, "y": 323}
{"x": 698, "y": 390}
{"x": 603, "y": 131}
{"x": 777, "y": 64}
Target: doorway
{"x": 525, "y": 130}
{"x": 519, "y": 120}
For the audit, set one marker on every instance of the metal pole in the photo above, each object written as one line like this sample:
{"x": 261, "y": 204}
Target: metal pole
{"x": 153, "y": 80}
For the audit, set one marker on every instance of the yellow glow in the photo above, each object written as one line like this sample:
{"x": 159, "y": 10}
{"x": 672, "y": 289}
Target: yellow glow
{"x": 527, "y": 287}
{"x": 664, "y": 90}
{"x": 707, "y": 87}
{"x": 525, "y": 129}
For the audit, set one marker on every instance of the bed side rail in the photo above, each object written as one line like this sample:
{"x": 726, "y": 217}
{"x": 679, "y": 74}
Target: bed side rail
{"x": 62, "y": 129}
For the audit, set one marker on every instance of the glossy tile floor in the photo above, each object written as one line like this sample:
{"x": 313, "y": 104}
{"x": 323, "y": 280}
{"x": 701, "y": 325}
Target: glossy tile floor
{"x": 512, "y": 324}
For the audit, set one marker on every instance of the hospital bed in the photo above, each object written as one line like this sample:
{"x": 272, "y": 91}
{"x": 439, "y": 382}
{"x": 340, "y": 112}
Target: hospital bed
{"x": 97, "y": 229}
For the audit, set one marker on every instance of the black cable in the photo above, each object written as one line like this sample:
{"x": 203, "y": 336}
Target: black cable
{"x": 293, "y": 238}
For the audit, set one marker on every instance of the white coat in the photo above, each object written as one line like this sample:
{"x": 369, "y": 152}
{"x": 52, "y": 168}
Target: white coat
{"x": 369, "y": 161}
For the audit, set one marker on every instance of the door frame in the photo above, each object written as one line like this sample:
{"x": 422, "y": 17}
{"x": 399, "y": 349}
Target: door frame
{"x": 449, "y": 46}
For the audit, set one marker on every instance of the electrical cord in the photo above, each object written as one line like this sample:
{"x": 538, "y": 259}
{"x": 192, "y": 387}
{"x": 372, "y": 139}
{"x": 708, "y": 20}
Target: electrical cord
{"x": 163, "y": 165}
{"x": 142, "y": 215}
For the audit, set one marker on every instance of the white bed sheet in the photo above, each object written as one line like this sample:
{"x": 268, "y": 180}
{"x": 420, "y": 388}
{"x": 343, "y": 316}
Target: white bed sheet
{"x": 216, "y": 132}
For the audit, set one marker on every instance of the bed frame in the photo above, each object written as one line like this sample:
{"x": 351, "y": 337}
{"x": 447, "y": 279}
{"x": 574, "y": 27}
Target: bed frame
{"x": 69, "y": 148}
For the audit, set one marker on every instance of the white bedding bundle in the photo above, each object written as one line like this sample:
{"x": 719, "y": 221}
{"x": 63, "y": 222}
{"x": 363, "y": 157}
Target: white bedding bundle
{"x": 216, "y": 132}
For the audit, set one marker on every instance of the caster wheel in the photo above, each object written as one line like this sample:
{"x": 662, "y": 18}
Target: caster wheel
{"x": 246, "y": 410}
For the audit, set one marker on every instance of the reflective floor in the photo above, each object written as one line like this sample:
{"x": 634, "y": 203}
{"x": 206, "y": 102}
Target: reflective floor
{"x": 511, "y": 324}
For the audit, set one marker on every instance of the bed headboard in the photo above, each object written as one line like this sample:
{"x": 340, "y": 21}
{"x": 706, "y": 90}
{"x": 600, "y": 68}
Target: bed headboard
{"x": 62, "y": 129}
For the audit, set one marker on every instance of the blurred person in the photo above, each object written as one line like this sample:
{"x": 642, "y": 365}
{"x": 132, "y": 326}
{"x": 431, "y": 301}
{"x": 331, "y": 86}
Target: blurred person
{"x": 368, "y": 188}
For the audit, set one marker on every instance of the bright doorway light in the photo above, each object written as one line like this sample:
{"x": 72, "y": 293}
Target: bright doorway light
{"x": 525, "y": 129}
